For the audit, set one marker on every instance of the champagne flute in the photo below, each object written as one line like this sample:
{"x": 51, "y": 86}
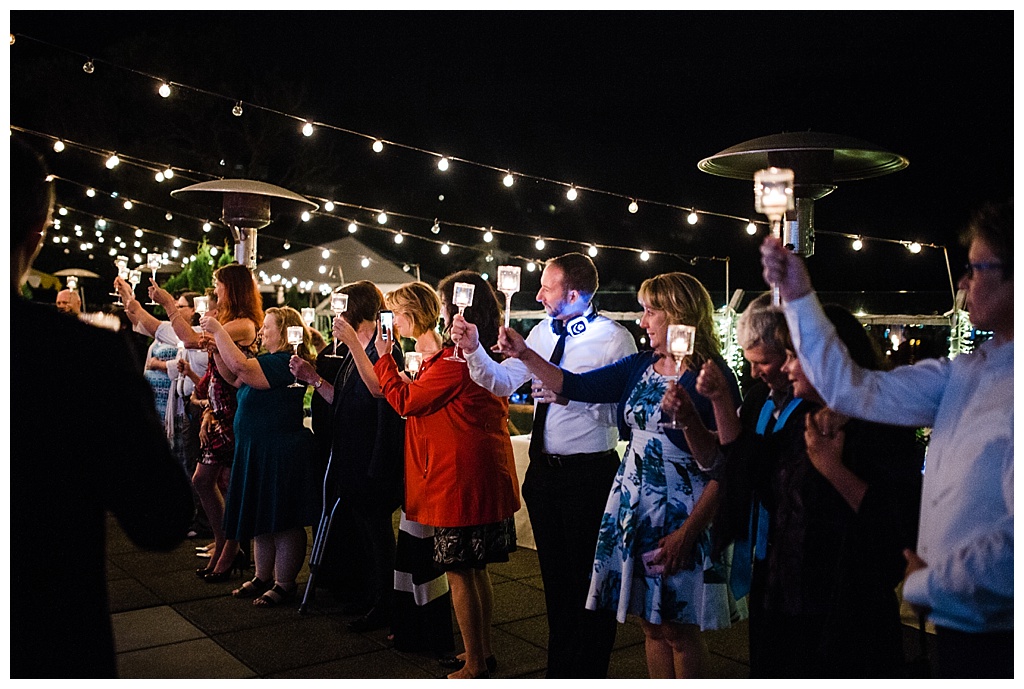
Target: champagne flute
{"x": 122, "y": 272}
{"x": 773, "y": 196}
{"x": 154, "y": 261}
{"x": 413, "y": 361}
{"x": 339, "y": 305}
{"x": 295, "y": 335}
{"x": 508, "y": 283}
{"x": 134, "y": 277}
{"x": 463, "y": 297}
{"x": 679, "y": 339}
{"x": 201, "y": 306}
{"x": 308, "y": 315}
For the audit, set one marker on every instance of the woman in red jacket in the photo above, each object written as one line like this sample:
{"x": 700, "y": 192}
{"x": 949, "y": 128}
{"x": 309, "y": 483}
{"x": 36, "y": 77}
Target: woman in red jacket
{"x": 460, "y": 474}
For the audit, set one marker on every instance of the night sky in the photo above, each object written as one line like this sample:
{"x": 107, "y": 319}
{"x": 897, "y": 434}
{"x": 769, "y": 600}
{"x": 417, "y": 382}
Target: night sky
{"x": 626, "y": 103}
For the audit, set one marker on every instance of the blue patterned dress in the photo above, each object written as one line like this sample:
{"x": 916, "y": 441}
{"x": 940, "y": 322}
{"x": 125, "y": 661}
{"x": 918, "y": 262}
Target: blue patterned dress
{"x": 656, "y": 488}
{"x": 159, "y": 380}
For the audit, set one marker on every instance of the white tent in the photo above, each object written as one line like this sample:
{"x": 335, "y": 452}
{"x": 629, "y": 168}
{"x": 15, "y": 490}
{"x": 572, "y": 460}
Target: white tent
{"x": 344, "y": 264}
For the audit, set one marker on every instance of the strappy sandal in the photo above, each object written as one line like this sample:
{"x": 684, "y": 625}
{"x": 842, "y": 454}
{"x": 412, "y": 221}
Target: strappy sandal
{"x": 275, "y": 596}
{"x": 252, "y": 588}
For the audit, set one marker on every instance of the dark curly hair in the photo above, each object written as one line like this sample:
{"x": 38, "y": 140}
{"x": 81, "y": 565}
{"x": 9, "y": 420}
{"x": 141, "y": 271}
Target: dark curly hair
{"x": 485, "y": 312}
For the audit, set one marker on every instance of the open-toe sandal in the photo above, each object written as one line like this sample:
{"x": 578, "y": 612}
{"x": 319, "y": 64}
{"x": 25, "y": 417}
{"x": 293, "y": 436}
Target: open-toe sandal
{"x": 275, "y": 596}
{"x": 252, "y": 588}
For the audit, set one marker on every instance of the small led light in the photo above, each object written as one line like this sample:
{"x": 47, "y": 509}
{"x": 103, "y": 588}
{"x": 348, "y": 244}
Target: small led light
{"x": 530, "y": 267}
{"x": 489, "y": 258}
{"x": 692, "y": 218}
{"x": 307, "y": 129}
{"x": 323, "y": 269}
{"x": 751, "y": 228}
{"x": 378, "y": 146}
{"x": 90, "y": 193}
{"x": 325, "y": 254}
{"x": 858, "y": 244}
{"x": 382, "y": 218}
{"x": 539, "y": 243}
{"x": 488, "y": 236}
{"x": 435, "y": 228}
{"x": 237, "y": 110}
{"x": 571, "y": 194}
{"x": 305, "y": 216}
{"x": 63, "y": 211}
{"x": 365, "y": 263}
{"x": 168, "y": 173}
{"x": 442, "y": 164}
{"x": 101, "y": 223}
{"x": 138, "y": 233}
{"x": 399, "y": 238}
{"x": 213, "y": 251}
{"x": 165, "y": 90}
{"x": 445, "y": 248}
{"x": 633, "y": 207}
{"x": 159, "y": 177}
{"x": 128, "y": 205}
{"x": 644, "y": 255}
{"x": 169, "y": 217}
{"x": 177, "y": 241}
{"x": 58, "y": 146}
{"x": 287, "y": 245}
{"x": 329, "y": 206}
{"x": 352, "y": 227}
{"x": 88, "y": 67}
{"x": 592, "y": 251}
{"x": 207, "y": 227}
{"x": 113, "y": 161}
{"x": 286, "y": 264}
{"x": 509, "y": 180}
{"x": 914, "y": 247}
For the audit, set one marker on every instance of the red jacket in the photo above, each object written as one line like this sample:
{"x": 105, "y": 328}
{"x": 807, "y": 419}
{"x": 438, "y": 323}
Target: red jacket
{"x": 459, "y": 466}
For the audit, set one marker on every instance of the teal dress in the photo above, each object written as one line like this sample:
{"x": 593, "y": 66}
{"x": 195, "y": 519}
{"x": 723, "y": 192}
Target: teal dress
{"x": 273, "y": 484}
{"x": 656, "y": 488}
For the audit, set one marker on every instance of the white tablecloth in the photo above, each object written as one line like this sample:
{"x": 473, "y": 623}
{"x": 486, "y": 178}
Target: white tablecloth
{"x": 521, "y": 449}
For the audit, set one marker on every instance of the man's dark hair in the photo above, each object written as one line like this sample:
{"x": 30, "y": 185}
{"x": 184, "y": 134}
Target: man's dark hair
{"x": 580, "y": 273}
{"x": 31, "y": 193}
{"x": 993, "y": 224}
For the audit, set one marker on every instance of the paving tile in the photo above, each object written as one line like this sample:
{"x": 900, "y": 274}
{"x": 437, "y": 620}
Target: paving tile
{"x": 514, "y": 600}
{"x": 130, "y": 594}
{"x": 150, "y": 627}
{"x": 197, "y": 659}
{"x": 382, "y": 664}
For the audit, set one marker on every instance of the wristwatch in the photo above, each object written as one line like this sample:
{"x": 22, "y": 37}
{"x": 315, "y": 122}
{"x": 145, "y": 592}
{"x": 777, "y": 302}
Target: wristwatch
{"x": 319, "y": 381}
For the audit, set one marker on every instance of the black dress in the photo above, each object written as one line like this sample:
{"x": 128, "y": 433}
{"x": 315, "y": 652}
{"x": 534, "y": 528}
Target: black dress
{"x": 85, "y": 440}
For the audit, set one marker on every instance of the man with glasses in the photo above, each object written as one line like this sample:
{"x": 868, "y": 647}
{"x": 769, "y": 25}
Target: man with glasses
{"x": 961, "y": 574}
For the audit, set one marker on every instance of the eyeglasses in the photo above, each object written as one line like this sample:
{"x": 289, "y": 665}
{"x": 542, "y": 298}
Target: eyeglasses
{"x": 971, "y": 268}
{"x": 184, "y": 306}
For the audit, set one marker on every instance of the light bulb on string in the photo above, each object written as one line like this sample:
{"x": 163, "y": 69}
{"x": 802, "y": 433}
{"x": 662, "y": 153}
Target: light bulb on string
{"x": 159, "y": 177}
{"x": 128, "y": 204}
{"x": 692, "y": 218}
{"x": 207, "y": 227}
{"x": 352, "y": 227}
{"x": 287, "y": 245}
{"x": 329, "y": 206}
{"x": 58, "y": 146}
{"x": 286, "y": 264}
{"x": 488, "y": 236}
{"x": 436, "y": 228}
{"x": 322, "y": 269}
{"x": 88, "y": 67}
{"x": 751, "y": 228}
{"x": 237, "y": 110}
{"x": 113, "y": 161}
{"x": 365, "y": 263}
{"x": 645, "y": 255}
{"x": 378, "y": 145}
{"x": 325, "y": 254}
{"x": 508, "y": 180}
{"x": 914, "y": 247}
{"x": 442, "y": 164}
{"x": 489, "y": 258}
{"x": 101, "y": 223}
{"x": 305, "y": 216}
{"x": 382, "y": 218}
{"x": 177, "y": 242}
{"x": 138, "y": 233}
{"x": 531, "y": 266}
{"x": 858, "y": 244}
{"x": 633, "y": 207}
{"x": 571, "y": 194}
{"x": 539, "y": 243}
{"x": 164, "y": 90}
{"x": 63, "y": 211}
{"x": 90, "y": 193}
{"x": 445, "y": 248}
{"x": 168, "y": 217}
{"x": 168, "y": 173}
{"x": 213, "y": 251}
{"x": 592, "y": 251}
{"x": 399, "y": 238}
{"x": 307, "y": 129}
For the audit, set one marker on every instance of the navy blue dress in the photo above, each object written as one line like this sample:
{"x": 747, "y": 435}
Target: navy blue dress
{"x": 273, "y": 485}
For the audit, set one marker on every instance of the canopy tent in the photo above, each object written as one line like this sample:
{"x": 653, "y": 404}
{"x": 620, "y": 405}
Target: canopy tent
{"x": 344, "y": 264}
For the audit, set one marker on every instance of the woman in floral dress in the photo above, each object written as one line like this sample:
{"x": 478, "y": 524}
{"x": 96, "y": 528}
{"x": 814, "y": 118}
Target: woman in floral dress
{"x": 658, "y": 504}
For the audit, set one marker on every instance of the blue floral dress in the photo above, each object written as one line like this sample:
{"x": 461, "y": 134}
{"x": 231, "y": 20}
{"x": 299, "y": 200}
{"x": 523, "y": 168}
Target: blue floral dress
{"x": 159, "y": 380}
{"x": 656, "y": 488}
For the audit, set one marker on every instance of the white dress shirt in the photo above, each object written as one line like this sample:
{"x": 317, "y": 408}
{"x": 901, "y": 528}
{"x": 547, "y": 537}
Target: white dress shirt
{"x": 966, "y": 522}
{"x": 593, "y": 341}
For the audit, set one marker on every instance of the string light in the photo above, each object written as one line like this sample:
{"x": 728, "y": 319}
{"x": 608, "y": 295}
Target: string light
{"x": 329, "y": 206}
{"x": 237, "y": 110}
{"x": 305, "y": 216}
{"x": 539, "y": 243}
{"x": 307, "y": 129}
{"x": 858, "y": 244}
{"x": 489, "y": 258}
{"x": 63, "y": 211}
{"x": 159, "y": 177}
{"x": 58, "y": 146}
{"x": 90, "y": 193}
{"x": 165, "y": 90}
{"x": 213, "y": 251}
{"x": 168, "y": 173}
{"x": 633, "y": 207}
{"x": 365, "y": 263}
{"x": 352, "y": 227}
{"x": 571, "y": 194}
{"x": 325, "y": 254}
{"x": 399, "y": 238}
{"x": 592, "y": 251}
{"x": 128, "y": 205}
{"x": 378, "y": 145}
{"x": 323, "y": 269}
{"x": 645, "y": 255}
{"x": 138, "y": 233}
{"x": 692, "y": 218}
{"x": 509, "y": 180}
{"x": 207, "y": 226}
{"x": 169, "y": 217}
{"x": 914, "y": 247}
{"x": 436, "y": 227}
{"x": 530, "y": 267}
{"x": 287, "y": 245}
{"x": 488, "y": 236}
{"x": 442, "y": 164}
{"x": 177, "y": 241}
{"x": 445, "y": 248}
{"x": 751, "y": 228}
{"x": 112, "y": 162}
{"x": 88, "y": 67}
{"x": 382, "y": 218}
{"x": 286, "y": 264}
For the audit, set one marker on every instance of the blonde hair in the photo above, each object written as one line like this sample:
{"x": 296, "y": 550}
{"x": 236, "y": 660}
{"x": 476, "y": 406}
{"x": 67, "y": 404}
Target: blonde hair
{"x": 683, "y": 298}
{"x": 287, "y": 316}
{"x": 419, "y": 302}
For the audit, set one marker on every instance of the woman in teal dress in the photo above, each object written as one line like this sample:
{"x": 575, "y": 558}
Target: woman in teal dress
{"x": 658, "y": 509}
{"x": 272, "y": 496}
{"x": 156, "y": 373}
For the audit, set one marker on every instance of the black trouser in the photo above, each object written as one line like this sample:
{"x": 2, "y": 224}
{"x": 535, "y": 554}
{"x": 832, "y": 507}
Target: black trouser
{"x": 566, "y": 500}
{"x": 962, "y": 655}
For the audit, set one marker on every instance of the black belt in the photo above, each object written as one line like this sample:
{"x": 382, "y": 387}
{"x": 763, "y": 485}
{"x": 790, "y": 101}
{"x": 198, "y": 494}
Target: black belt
{"x": 563, "y": 460}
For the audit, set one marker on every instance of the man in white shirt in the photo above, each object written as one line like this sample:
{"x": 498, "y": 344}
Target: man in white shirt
{"x": 572, "y": 460}
{"x": 962, "y": 571}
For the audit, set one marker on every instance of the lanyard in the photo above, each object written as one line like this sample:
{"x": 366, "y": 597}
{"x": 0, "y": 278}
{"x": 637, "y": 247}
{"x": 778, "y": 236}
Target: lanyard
{"x": 766, "y": 415}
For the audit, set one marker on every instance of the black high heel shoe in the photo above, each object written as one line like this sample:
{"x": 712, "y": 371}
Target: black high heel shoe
{"x": 240, "y": 564}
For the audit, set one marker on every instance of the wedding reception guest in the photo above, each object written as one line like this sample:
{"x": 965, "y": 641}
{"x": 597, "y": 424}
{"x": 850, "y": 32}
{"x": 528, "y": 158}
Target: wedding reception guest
{"x": 65, "y": 479}
{"x": 653, "y": 556}
{"x": 572, "y": 458}
{"x": 841, "y": 498}
{"x": 366, "y": 452}
{"x": 239, "y": 309}
{"x": 460, "y": 474}
{"x": 272, "y": 495}
{"x": 961, "y": 573}
{"x": 69, "y": 302}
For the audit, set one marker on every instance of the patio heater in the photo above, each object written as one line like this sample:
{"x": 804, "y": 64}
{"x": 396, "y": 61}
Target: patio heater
{"x": 818, "y": 162}
{"x": 246, "y": 209}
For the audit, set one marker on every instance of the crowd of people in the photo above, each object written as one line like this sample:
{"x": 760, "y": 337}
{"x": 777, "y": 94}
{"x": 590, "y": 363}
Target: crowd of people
{"x": 801, "y": 502}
